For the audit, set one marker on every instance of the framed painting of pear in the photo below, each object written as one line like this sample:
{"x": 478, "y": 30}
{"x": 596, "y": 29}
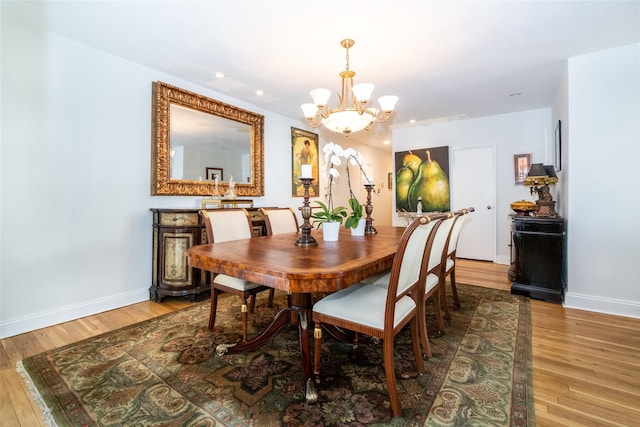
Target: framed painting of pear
{"x": 423, "y": 174}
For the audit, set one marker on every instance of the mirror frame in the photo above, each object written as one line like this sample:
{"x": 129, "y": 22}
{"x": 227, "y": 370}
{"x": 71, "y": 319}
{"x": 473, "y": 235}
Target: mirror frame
{"x": 161, "y": 183}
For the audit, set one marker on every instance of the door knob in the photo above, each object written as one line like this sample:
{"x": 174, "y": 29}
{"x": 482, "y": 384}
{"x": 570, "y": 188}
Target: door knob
{"x": 489, "y": 207}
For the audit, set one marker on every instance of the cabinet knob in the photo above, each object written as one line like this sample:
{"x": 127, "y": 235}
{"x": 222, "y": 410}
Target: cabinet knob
{"x": 489, "y": 207}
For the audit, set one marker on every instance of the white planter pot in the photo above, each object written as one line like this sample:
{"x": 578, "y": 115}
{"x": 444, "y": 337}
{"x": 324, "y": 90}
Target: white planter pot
{"x": 330, "y": 231}
{"x": 359, "y": 230}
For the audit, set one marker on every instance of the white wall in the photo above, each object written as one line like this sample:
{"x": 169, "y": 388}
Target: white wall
{"x": 76, "y": 146}
{"x": 509, "y": 134}
{"x": 603, "y": 171}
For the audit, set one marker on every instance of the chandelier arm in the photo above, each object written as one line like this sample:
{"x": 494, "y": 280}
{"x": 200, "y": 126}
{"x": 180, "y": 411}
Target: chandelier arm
{"x": 314, "y": 121}
{"x": 383, "y": 116}
{"x": 324, "y": 112}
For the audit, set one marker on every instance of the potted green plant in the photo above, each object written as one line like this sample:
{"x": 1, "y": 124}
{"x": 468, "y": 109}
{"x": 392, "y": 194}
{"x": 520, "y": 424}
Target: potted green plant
{"x": 330, "y": 218}
{"x": 353, "y": 219}
{"x": 327, "y": 214}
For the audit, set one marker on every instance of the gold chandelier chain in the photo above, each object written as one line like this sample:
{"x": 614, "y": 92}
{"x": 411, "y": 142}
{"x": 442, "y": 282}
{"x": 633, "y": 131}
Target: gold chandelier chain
{"x": 347, "y": 58}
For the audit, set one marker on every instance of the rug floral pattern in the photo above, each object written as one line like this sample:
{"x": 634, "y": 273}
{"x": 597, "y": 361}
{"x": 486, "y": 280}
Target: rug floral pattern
{"x": 165, "y": 372}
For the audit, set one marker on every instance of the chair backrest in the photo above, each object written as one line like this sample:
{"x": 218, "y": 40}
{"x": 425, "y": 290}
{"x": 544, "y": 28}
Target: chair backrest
{"x": 280, "y": 220}
{"x": 455, "y": 233}
{"x": 436, "y": 255}
{"x": 224, "y": 225}
{"x": 408, "y": 271}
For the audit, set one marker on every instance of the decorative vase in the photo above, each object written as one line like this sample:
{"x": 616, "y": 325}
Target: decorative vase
{"x": 330, "y": 231}
{"x": 359, "y": 230}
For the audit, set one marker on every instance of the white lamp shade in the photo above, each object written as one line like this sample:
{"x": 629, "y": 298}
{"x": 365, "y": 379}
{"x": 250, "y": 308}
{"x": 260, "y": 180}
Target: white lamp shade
{"x": 387, "y": 103}
{"x": 309, "y": 110}
{"x": 348, "y": 121}
{"x": 320, "y": 96}
{"x": 363, "y": 92}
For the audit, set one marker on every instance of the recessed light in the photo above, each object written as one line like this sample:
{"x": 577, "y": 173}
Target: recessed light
{"x": 219, "y": 75}
{"x": 412, "y": 121}
{"x": 259, "y": 92}
{"x": 387, "y": 142}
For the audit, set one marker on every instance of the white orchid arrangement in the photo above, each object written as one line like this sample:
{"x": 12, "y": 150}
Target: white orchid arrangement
{"x": 333, "y": 155}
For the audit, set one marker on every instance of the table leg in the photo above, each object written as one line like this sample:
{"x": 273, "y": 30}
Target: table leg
{"x": 302, "y": 304}
{"x": 281, "y": 319}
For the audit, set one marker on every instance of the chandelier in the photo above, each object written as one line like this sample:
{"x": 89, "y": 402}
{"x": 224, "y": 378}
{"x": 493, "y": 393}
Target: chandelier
{"x": 352, "y": 114}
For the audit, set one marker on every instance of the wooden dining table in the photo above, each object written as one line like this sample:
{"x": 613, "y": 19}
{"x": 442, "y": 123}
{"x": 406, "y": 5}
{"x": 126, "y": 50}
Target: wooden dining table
{"x": 277, "y": 262}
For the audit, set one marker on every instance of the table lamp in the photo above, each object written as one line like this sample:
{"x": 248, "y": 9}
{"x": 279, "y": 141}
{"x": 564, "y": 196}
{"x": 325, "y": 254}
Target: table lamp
{"x": 538, "y": 179}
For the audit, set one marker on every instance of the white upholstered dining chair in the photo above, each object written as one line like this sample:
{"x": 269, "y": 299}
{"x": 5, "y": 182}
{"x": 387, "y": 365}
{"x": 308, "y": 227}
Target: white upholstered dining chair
{"x": 280, "y": 220}
{"x": 434, "y": 286}
{"x": 223, "y": 225}
{"x": 382, "y": 311}
{"x": 434, "y": 282}
{"x": 450, "y": 262}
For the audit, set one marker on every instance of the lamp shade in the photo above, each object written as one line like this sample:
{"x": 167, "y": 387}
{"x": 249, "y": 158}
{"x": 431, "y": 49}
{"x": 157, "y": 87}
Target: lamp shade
{"x": 320, "y": 96}
{"x": 388, "y": 102}
{"x": 550, "y": 171}
{"x": 363, "y": 92}
{"x": 537, "y": 170}
{"x": 309, "y": 110}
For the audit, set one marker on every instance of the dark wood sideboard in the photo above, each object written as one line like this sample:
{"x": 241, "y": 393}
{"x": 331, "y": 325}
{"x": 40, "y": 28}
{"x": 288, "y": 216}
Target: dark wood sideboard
{"x": 175, "y": 231}
{"x": 537, "y": 258}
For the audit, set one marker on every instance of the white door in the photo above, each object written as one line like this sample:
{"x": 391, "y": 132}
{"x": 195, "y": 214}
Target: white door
{"x": 473, "y": 185}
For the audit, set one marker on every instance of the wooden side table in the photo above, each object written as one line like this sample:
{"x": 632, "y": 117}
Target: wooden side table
{"x": 175, "y": 231}
{"x": 537, "y": 258}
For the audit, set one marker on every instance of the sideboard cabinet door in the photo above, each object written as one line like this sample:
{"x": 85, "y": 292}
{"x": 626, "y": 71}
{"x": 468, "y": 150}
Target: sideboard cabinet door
{"x": 175, "y": 231}
{"x": 537, "y": 252}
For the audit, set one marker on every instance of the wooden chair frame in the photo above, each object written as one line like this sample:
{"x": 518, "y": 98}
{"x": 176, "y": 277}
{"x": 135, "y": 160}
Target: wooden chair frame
{"x": 245, "y": 295}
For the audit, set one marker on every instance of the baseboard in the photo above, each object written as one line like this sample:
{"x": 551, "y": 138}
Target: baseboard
{"x": 505, "y": 260}
{"x": 602, "y": 305}
{"x": 72, "y": 312}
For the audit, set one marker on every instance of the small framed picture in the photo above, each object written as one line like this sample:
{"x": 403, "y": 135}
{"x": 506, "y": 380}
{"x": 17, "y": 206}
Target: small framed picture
{"x": 213, "y": 172}
{"x": 390, "y": 180}
{"x": 521, "y": 165}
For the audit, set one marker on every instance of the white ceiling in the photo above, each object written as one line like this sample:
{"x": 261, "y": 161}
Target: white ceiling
{"x": 446, "y": 60}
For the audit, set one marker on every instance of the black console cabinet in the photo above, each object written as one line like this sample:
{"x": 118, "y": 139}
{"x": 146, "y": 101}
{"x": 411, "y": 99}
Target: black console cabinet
{"x": 536, "y": 258}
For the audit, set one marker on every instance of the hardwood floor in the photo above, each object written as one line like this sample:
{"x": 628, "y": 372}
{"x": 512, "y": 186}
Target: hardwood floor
{"x": 586, "y": 366}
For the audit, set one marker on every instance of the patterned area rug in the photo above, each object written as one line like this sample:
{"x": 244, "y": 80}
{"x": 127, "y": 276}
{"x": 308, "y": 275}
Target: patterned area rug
{"x": 164, "y": 372}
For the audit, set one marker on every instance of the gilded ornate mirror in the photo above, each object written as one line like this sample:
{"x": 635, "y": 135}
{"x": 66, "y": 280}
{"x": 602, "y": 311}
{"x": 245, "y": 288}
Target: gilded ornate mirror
{"x": 196, "y": 139}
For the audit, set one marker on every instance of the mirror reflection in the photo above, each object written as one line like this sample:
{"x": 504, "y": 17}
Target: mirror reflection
{"x": 204, "y": 146}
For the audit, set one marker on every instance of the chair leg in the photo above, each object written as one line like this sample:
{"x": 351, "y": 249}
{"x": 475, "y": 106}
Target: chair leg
{"x": 454, "y": 290}
{"x": 270, "y": 300}
{"x": 317, "y": 350}
{"x": 214, "y": 307}
{"x": 390, "y": 373}
{"x": 443, "y": 299}
{"x": 436, "y": 307}
{"x": 422, "y": 325}
{"x": 252, "y": 303}
{"x": 415, "y": 340}
{"x": 245, "y": 316}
